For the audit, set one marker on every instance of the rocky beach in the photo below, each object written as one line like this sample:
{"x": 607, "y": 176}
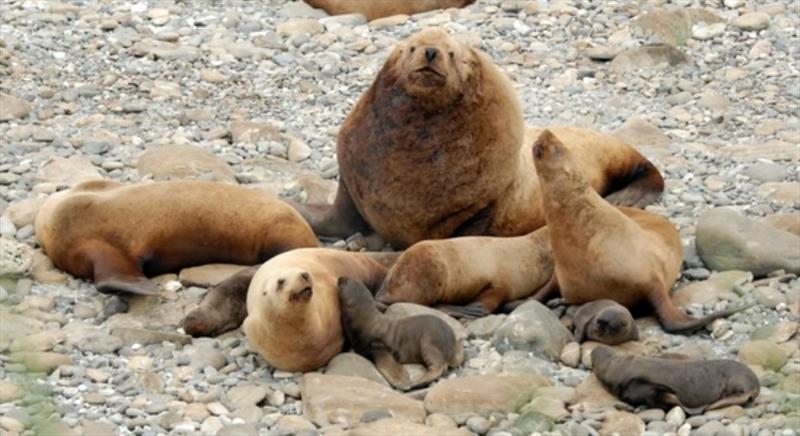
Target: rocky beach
{"x": 253, "y": 93}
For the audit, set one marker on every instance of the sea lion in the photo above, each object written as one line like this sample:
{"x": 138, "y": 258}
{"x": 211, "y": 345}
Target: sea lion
{"x": 384, "y": 8}
{"x": 293, "y": 318}
{"x": 117, "y": 235}
{"x": 694, "y": 385}
{"x": 479, "y": 272}
{"x": 604, "y": 321}
{"x": 390, "y": 342}
{"x": 437, "y": 147}
{"x": 604, "y": 252}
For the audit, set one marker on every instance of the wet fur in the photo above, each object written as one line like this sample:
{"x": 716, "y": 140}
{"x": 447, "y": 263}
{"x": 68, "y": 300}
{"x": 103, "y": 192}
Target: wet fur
{"x": 695, "y": 385}
{"x": 455, "y": 160}
{"x": 423, "y": 339}
{"x": 297, "y": 331}
{"x": 118, "y": 234}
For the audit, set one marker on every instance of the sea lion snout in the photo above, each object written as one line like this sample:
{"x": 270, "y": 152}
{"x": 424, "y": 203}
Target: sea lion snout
{"x": 547, "y": 145}
{"x": 430, "y": 54}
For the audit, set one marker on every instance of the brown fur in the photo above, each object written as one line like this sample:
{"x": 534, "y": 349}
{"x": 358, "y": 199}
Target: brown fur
{"x": 293, "y": 317}
{"x": 480, "y": 271}
{"x": 604, "y": 252}
{"x": 435, "y": 148}
{"x": 604, "y": 321}
{"x": 373, "y": 9}
{"x": 390, "y": 342}
{"x": 117, "y": 234}
{"x": 695, "y": 385}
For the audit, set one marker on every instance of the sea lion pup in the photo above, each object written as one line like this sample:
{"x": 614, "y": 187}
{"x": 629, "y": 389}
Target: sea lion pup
{"x": 437, "y": 147}
{"x": 604, "y": 321}
{"x": 293, "y": 317}
{"x": 391, "y": 342}
{"x": 117, "y": 235}
{"x": 384, "y": 8}
{"x": 604, "y": 252}
{"x": 694, "y": 385}
{"x": 479, "y": 272}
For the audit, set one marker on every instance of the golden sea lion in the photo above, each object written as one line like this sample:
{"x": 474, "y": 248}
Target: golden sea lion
{"x": 117, "y": 235}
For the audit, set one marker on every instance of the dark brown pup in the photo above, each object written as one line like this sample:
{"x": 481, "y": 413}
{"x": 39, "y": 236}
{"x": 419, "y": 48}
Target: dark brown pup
{"x": 604, "y": 321}
{"x": 422, "y": 339}
{"x": 118, "y": 234}
{"x": 437, "y": 147}
{"x": 605, "y": 252}
{"x": 694, "y": 385}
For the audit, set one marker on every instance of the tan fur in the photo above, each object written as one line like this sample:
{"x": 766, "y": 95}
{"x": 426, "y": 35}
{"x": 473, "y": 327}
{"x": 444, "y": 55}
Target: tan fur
{"x": 487, "y": 270}
{"x": 427, "y": 155}
{"x": 104, "y": 230}
{"x": 605, "y": 252}
{"x": 303, "y": 334}
{"x": 373, "y": 9}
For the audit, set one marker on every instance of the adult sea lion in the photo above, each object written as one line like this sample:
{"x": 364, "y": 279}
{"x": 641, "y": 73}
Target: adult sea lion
{"x": 605, "y": 252}
{"x": 117, "y": 235}
{"x": 390, "y": 342}
{"x": 479, "y": 272}
{"x": 384, "y": 8}
{"x": 293, "y": 318}
{"x": 694, "y": 385}
{"x": 604, "y": 321}
{"x": 437, "y": 147}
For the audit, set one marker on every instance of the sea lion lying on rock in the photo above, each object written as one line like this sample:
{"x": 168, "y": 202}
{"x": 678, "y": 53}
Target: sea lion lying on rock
{"x": 117, "y": 235}
{"x": 437, "y": 147}
{"x": 604, "y": 321}
{"x": 605, "y": 252}
{"x": 480, "y": 272}
{"x": 293, "y": 318}
{"x": 373, "y": 9}
{"x": 694, "y": 385}
{"x": 391, "y": 342}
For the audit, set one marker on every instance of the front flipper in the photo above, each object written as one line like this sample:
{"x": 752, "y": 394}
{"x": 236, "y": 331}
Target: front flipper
{"x": 340, "y": 219}
{"x": 113, "y": 270}
{"x": 640, "y": 391}
{"x": 142, "y": 286}
{"x": 223, "y": 308}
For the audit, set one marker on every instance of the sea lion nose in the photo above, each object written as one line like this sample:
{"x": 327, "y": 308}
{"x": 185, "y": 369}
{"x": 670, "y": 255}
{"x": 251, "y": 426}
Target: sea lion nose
{"x": 430, "y": 53}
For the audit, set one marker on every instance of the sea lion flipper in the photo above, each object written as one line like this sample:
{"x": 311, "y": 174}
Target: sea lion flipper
{"x": 141, "y": 286}
{"x": 642, "y": 391}
{"x": 391, "y": 370}
{"x": 340, "y": 219}
{"x": 640, "y": 185}
{"x": 469, "y": 311}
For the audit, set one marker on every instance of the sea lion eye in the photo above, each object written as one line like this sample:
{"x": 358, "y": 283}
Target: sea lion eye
{"x": 411, "y": 50}
{"x": 281, "y": 282}
{"x": 452, "y": 55}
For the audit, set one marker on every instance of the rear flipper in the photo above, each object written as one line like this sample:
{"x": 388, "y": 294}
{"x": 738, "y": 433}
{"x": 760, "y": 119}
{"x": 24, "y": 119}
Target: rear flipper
{"x": 469, "y": 311}
{"x": 142, "y": 286}
{"x": 391, "y": 370}
{"x": 674, "y": 320}
{"x": 638, "y": 187}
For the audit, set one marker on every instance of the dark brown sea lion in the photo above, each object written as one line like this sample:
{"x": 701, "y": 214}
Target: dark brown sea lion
{"x": 605, "y": 252}
{"x": 694, "y": 385}
{"x": 604, "y": 321}
{"x": 373, "y": 9}
{"x": 117, "y": 234}
{"x": 480, "y": 272}
{"x": 437, "y": 147}
{"x": 293, "y": 318}
{"x": 391, "y": 342}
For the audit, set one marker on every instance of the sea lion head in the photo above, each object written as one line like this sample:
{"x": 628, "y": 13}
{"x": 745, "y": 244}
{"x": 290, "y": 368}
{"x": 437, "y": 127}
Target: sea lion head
{"x": 353, "y": 294}
{"x": 416, "y": 277}
{"x": 742, "y": 384}
{"x": 612, "y": 326}
{"x": 555, "y": 162}
{"x": 434, "y": 68}
{"x": 292, "y": 285}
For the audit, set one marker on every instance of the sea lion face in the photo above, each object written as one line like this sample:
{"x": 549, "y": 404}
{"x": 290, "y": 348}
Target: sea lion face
{"x": 434, "y": 67}
{"x": 290, "y": 286}
{"x": 613, "y": 326}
